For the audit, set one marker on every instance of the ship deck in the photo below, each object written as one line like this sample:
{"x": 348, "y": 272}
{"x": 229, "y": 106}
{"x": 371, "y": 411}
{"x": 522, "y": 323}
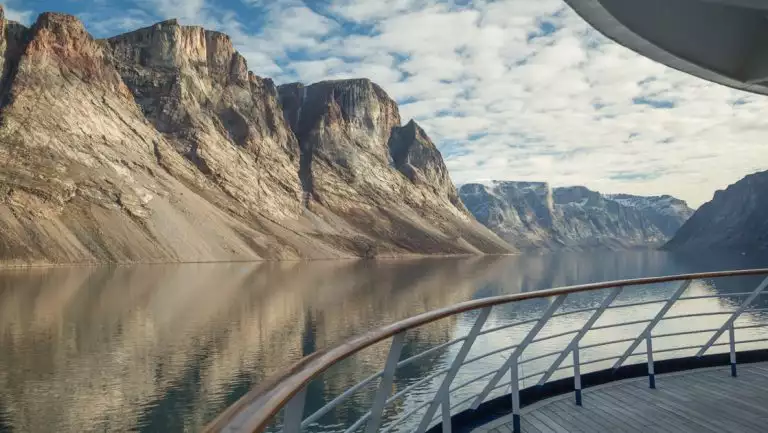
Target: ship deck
{"x": 696, "y": 401}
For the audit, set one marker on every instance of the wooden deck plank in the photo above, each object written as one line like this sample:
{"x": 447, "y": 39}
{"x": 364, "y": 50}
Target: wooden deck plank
{"x": 566, "y": 422}
{"x": 590, "y": 423}
{"x": 683, "y": 405}
{"x": 666, "y": 411}
{"x": 663, "y": 420}
{"x": 743, "y": 404}
{"x": 707, "y": 401}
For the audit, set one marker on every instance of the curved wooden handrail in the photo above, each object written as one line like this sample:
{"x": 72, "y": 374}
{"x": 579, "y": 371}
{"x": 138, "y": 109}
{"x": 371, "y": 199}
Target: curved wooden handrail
{"x": 254, "y": 410}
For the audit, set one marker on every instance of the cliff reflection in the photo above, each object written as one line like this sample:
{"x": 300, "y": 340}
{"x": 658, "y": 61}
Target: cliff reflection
{"x": 165, "y": 348}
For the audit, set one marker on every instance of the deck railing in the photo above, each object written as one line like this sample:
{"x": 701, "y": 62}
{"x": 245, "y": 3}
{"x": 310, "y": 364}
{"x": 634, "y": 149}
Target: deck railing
{"x": 288, "y": 391}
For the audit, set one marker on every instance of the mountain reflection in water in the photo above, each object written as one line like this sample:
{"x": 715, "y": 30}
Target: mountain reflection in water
{"x": 165, "y": 348}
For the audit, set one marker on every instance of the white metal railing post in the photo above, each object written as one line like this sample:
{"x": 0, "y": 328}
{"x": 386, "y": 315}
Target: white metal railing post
{"x": 651, "y": 369}
{"x": 445, "y": 408}
{"x": 584, "y": 329}
{"x": 557, "y": 303}
{"x": 454, "y": 369}
{"x": 294, "y": 412}
{"x": 652, "y": 324}
{"x": 733, "y": 317}
{"x": 732, "y": 338}
{"x": 385, "y": 385}
{"x": 577, "y": 375}
{"x": 514, "y": 380}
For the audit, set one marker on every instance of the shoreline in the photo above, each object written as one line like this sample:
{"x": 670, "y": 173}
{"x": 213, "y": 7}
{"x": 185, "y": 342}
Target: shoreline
{"x": 42, "y": 265}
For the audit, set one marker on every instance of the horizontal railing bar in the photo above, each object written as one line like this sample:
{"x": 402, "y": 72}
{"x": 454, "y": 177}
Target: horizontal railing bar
{"x": 717, "y": 295}
{"x": 609, "y": 358}
{"x": 635, "y": 304}
{"x": 485, "y": 355}
{"x": 509, "y": 325}
{"x": 623, "y": 340}
{"x": 414, "y": 385}
{"x": 616, "y": 325}
{"x": 756, "y": 310}
{"x": 439, "y": 415}
{"x": 256, "y": 408}
{"x": 471, "y": 381}
{"x": 333, "y": 403}
{"x": 406, "y": 415}
{"x": 693, "y": 346}
{"x": 539, "y": 373}
{"x": 536, "y": 358}
{"x": 359, "y": 422}
{"x": 756, "y": 340}
{"x": 553, "y": 336}
{"x": 429, "y": 351}
{"x": 683, "y": 316}
{"x": 759, "y": 325}
{"x": 672, "y": 334}
{"x": 580, "y": 310}
{"x": 507, "y": 383}
{"x": 462, "y": 402}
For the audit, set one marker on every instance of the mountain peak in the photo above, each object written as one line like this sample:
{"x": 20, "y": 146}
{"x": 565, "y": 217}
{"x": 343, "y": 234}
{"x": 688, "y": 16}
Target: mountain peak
{"x": 169, "y": 44}
{"x": 65, "y": 32}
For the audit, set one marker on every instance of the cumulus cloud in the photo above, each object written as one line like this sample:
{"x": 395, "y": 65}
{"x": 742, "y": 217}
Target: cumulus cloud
{"x": 509, "y": 89}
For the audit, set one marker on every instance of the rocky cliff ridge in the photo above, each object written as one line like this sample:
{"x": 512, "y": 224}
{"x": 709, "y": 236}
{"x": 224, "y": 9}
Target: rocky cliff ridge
{"x": 532, "y": 215}
{"x": 159, "y": 145}
{"x": 735, "y": 219}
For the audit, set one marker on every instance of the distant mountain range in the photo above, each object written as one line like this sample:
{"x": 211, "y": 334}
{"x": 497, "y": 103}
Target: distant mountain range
{"x": 532, "y": 215}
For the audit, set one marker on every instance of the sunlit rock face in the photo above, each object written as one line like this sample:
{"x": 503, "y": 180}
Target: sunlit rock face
{"x": 735, "y": 219}
{"x": 196, "y": 90}
{"x": 380, "y": 179}
{"x": 531, "y": 215}
{"x": 160, "y": 145}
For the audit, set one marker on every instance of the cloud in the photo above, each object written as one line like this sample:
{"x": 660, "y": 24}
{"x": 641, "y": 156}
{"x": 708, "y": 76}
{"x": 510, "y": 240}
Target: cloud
{"x": 104, "y": 23}
{"x": 21, "y": 16}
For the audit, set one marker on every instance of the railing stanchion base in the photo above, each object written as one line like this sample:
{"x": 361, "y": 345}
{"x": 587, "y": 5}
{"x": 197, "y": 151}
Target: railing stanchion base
{"x": 577, "y": 375}
{"x": 516, "y": 428}
{"x": 732, "y": 336}
{"x": 651, "y": 369}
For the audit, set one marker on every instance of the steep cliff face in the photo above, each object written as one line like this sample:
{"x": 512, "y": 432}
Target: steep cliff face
{"x": 417, "y": 157}
{"x": 159, "y": 145}
{"x": 12, "y": 41}
{"x": 381, "y": 179}
{"x": 522, "y": 213}
{"x": 531, "y": 215}
{"x": 196, "y": 90}
{"x": 735, "y": 219}
{"x": 85, "y": 177}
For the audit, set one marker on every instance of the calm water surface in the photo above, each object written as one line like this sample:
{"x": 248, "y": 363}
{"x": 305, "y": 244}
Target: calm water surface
{"x": 165, "y": 348}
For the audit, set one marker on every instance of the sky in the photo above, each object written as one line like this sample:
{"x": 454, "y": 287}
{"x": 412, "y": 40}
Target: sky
{"x": 507, "y": 89}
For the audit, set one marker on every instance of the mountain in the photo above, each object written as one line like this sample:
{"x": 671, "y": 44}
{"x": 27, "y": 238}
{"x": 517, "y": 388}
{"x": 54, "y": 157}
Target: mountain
{"x": 159, "y": 145}
{"x": 665, "y": 212}
{"x": 735, "y": 219}
{"x": 532, "y": 215}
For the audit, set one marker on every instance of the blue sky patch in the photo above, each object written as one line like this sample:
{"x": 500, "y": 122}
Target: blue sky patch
{"x": 655, "y": 103}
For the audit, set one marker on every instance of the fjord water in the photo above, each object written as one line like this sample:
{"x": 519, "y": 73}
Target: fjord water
{"x": 165, "y": 348}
